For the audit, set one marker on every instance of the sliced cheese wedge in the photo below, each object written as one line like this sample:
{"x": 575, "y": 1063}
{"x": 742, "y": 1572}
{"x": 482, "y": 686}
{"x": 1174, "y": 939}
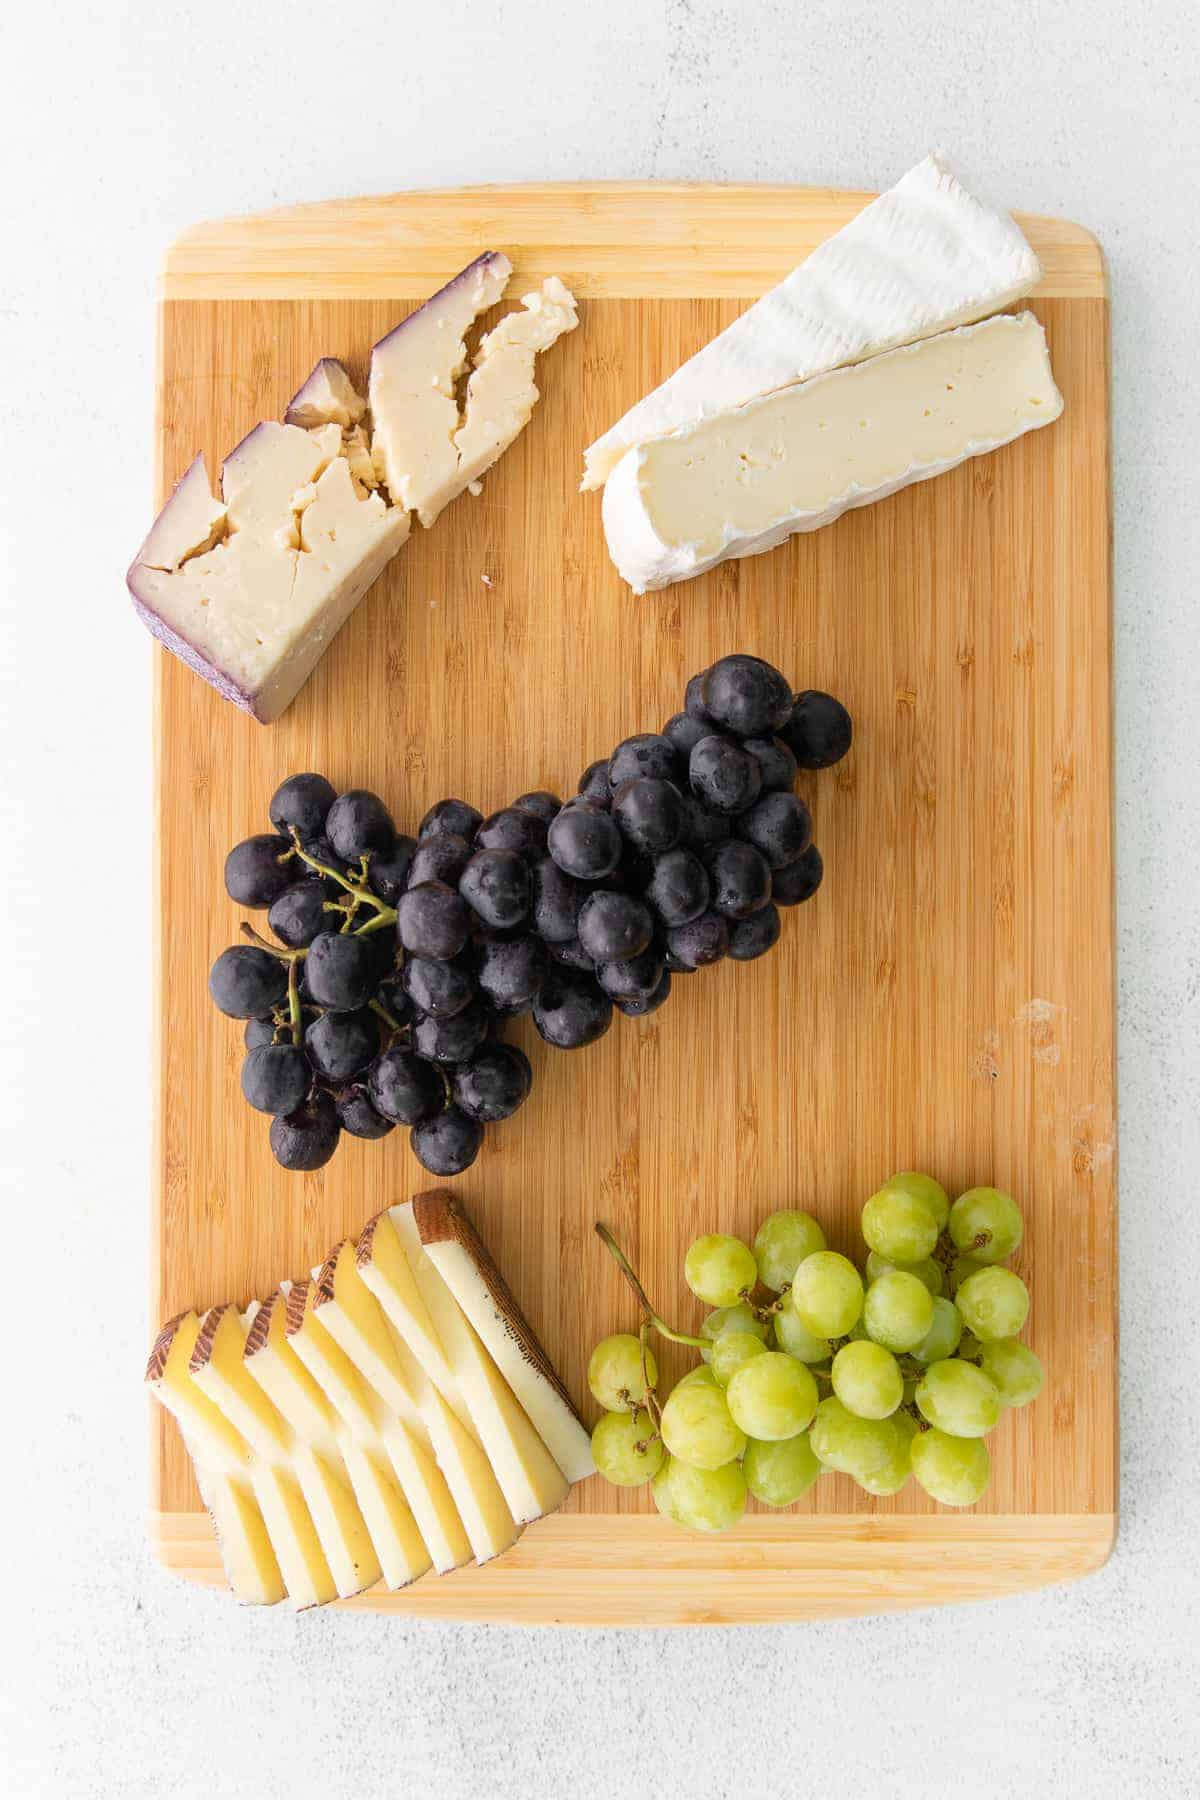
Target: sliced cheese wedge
{"x": 306, "y": 1574}
{"x": 457, "y": 1252}
{"x": 250, "y": 1564}
{"x": 922, "y": 258}
{"x": 742, "y": 483}
{"x": 530, "y": 1479}
{"x": 348, "y": 1310}
{"x": 371, "y": 1426}
{"x": 386, "y": 1271}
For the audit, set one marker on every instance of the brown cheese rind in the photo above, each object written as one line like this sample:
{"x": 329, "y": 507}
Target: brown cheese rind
{"x": 156, "y": 1367}
{"x": 323, "y": 1281}
{"x": 364, "y": 1250}
{"x": 297, "y": 1300}
{"x": 440, "y": 1220}
{"x": 202, "y": 1349}
{"x": 259, "y": 1333}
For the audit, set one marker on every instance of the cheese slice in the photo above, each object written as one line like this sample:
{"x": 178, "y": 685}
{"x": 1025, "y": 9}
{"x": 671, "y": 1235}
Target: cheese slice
{"x": 250, "y": 1564}
{"x": 348, "y": 1310}
{"x": 306, "y": 1574}
{"x": 370, "y": 1425}
{"x": 530, "y": 1479}
{"x": 456, "y": 1251}
{"x": 741, "y": 483}
{"x": 922, "y": 258}
{"x": 501, "y": 393}
{"x": 327, "y": 397}
{"x": 385, "y": 1270}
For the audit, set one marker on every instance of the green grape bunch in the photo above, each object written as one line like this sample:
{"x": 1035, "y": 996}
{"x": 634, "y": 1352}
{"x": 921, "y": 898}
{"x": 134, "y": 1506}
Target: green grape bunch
{"x": 811, "y": 1364}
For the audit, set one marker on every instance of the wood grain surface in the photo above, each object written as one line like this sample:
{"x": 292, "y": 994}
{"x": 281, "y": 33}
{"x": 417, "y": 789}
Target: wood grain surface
{"x": 945, "y": 1002}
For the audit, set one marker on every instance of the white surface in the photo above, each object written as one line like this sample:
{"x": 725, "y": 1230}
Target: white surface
{"x": 118, "y": 126}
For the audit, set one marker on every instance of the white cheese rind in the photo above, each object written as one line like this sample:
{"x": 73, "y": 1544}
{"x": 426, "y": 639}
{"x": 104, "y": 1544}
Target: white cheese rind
{"x": 743, "y": 482}
{"x": 922, "y": 258}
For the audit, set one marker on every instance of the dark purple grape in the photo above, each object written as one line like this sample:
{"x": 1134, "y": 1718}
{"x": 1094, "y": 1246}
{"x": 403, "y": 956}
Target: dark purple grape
{"x": 439, "y": 858}
{"x": 646, "y": 754}
{"x": 693, "y": 699}
{"x": 453, "y": 816}
{"x": 756, "y": 935}
{"x": 614, "y": 926}
{"x": 358, "y": 824}
{"x": 258, "y": 870}
{"x": 702, "y": 828}
{"x": 389, "y": 870}
{"x": 433, "y": 921}
{"x": 392, "y": 997}
{"x": 649, "y": 813}
{"x": 541, "y": 803}
{"x": 684, "y": 730}
{"x": 594, "y": 783}
{"x": 306, "y": 1138}
{"x": 585, "y": 842}
{"x": 299, "y": 914}
{"x": 636, "y": 1006}
{"x": 818, "y": 731}
{"x": 300, "y": 804}
{"x": 556, "y": 901}
{"x": 633, "y": 979}
{"x": 740, "y": 877}
{"x": 571, "y": 1010}
{"x": 675, "y": 967}
{"x": 321, "y": 850}
{"x": 799, "y": 880}
{"x": 338, "y": 971}
{"x": 780, "y": 826}
{"x": 513, "y": 829}
{"x": 404, "y": 1087}
{"x": 440, "y": 989}
{"x": 382, "y": 943}
{"x": 259, "y": 1031}
{"x": 724, "y": 776}
{"x": 747, "y": 696}
{"x": 494, "y": 1083}
{"x": 700, "y": 942}
{"x": 495, "y": 885}
{"x": 341, "y": 1044}
{"x": 776, "y": 762}
{"x": 572, "y": 955}
{"x": 451, "y": 1040}
{"x": 246, "y": 983}
{"x": 679, "y": 887}
{"x": 447, "y": 1144}
{"x": 511, "y": 972}
{"x": 276, "y": 1078}
{"x": 356, "y": 1114}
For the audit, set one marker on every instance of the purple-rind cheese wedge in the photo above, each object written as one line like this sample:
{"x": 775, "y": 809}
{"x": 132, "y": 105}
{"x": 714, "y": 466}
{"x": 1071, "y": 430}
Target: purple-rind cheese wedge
{"x": 328, "y": 397}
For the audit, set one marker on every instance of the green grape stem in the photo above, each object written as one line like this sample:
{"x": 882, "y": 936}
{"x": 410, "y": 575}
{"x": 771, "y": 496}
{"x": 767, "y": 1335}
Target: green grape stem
{"x": 281, "y": 955}
{"x": 381, "y": 1011}
{"x": 295, "y": 1021}
{"x": 356, "y": 886}
{"x": 651, "y": 1317}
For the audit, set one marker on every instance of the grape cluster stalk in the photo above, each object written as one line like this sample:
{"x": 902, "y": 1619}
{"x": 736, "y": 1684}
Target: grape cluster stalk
{"x": 810, "y": 1366}
{"x": 396, "y": 960}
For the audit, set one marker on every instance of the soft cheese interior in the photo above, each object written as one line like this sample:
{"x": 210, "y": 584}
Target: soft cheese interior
{"x": 742, "y": 482}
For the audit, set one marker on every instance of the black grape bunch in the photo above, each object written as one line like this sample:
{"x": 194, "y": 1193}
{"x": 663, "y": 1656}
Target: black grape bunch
{"x": 397, "y": 960}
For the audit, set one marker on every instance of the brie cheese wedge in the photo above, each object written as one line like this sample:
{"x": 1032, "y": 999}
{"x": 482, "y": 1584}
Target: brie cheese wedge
{"x": 742, "y": 482}
{"x": 922, "y": 258}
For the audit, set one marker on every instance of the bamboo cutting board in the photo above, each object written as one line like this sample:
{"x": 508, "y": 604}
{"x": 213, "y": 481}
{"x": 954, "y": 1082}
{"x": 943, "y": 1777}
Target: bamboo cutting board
{"x": 946, "y": 1001}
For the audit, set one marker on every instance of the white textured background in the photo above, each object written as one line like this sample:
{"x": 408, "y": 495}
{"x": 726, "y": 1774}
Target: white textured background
{"x": 119, "y": 125}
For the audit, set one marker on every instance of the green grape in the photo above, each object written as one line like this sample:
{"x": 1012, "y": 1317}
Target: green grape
{"x": 903, "y": 1227}
{"x": 898, "y": 1310}
{"x": 849, "y": 1444}
{"x": 827, "y": 1294}
{"x": 953, "y": 1470}
{"x": 700, "y": 1376}
{"x": 958, "y": 1398}
{"x": 697, "y": 1427}
{"x": 731, "y": 1318}
{"x": 891, "y": 1477}
{"x": 781, "y": 1244}
{"x": 867, "y": 1380}
{"x": 994, "y": 1303}
{"x": 906, "y": 1425}
{"x": 615, "y": 1372}
{"x": 772, "y": 1397}
{"x": 986, "y": 1223}
{"x": 719, "y": 1269}
{"x": 731, "y": 1350}
{"x": 626, "y": 1451}
{"x": 969, "y": 1346}
{"x": 928, "y": 1271}
{"x": 924, "y": 1187}
{"x": 961, "y": 1267}
{"x": 778, "y": 1473}
{"x": 700, "y": 1499}
{"x": 1014, "y": 1368}
{"x": 942, "y": 1338}
{"x": 796, "y": 1339}
{"x": 858, "y": 1333}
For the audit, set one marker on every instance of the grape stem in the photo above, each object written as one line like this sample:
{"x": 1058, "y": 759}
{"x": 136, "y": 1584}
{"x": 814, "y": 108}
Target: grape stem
{"x": 356, "y": 886}
{"x": 381, "y": 1010}
{"x": 293, "y": 994}
{"x": 288, "y": 956}
{"x": 652, "y": 1318}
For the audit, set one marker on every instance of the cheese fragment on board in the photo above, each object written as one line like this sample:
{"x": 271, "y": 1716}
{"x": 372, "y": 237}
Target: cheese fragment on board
{"x": 458, "y": 1254}
{"x": 327, "y": 397}
{"x": 741, "y": 483}
{"x": 922, "y": 258}
{"x": 501, "y": 393}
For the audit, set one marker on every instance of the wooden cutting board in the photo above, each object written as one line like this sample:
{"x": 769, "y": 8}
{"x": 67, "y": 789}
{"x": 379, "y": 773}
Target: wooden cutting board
{"x": 945, "y": 1003}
